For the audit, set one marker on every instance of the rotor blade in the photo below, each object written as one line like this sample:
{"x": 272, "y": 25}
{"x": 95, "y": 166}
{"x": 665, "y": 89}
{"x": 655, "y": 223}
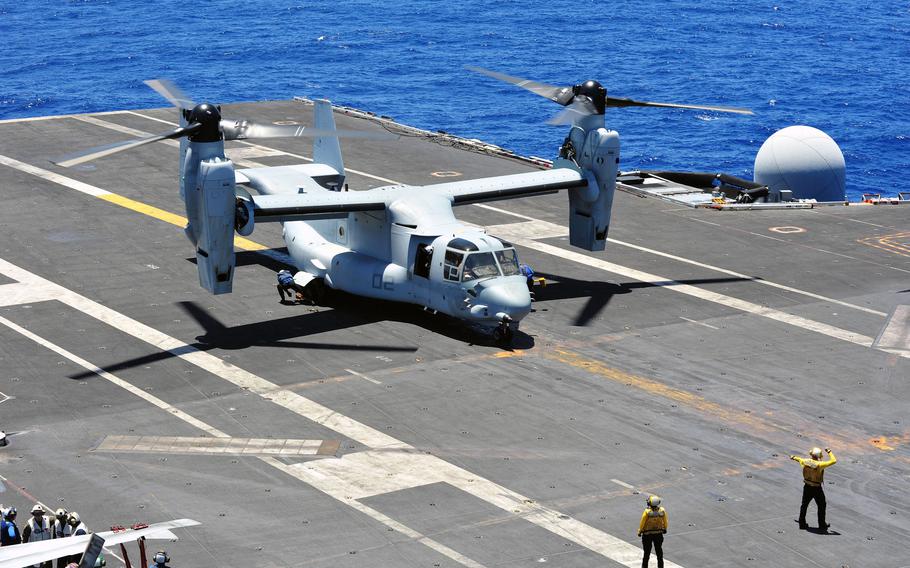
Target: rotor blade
{"x": 579, "y": 108}
{"x": 171, "y": 92}
{"x": 561, "y": 95}
{"x": 102, "y": 151}
{"x": 246, "y": 129}
{"x": 621, "y": 102}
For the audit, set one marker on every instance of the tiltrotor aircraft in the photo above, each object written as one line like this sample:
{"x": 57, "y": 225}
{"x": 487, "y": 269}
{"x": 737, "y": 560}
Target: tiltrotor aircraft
{"x": 399, "y": 242}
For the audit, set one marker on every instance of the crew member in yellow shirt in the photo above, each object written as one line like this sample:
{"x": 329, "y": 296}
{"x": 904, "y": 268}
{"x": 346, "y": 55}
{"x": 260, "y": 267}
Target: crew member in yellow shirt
{"x": 651, "y": 529}
{"x": 813, "y": 478}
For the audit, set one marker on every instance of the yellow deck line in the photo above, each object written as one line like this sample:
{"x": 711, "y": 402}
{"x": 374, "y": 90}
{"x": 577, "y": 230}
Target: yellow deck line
{"x": 111, "y": 197}
{"x": 168, "y": 217}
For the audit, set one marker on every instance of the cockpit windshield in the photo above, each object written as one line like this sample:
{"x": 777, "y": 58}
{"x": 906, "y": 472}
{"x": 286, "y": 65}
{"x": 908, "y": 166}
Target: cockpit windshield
{"x": 508, "y": 261}
{"x": 479, "y": 265}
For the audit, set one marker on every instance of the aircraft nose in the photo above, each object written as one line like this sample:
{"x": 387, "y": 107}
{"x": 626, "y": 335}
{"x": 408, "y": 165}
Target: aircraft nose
{"x": 510, "y": 298}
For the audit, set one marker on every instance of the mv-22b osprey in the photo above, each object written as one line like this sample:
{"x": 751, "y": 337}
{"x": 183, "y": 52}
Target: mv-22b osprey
{"x": 399, "y": 242}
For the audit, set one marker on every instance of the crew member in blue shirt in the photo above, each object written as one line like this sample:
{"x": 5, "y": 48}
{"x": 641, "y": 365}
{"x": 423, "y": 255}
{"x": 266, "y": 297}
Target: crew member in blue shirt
{"x": 286, "y": 284}
{"x": 9, "y": 532}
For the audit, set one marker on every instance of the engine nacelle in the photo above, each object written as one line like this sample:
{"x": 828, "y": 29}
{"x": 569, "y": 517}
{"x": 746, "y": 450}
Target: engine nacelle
{"x": 596, "y": 152}
{"x": 215, "y": 226}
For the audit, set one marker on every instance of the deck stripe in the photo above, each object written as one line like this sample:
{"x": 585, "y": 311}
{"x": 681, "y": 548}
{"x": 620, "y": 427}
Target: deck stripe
{"x": 219, "y": 435}
{"x": 362, "y": 473}
{"x": 59, "y": 116}
{"x": 703, "y": 294}
{"x": 151, "y": 399}
{"x": 896, "y": 333}
{"x": 116, "y": 199}
{"x": 204, "y": 446}
{"x": 703, "y": 265}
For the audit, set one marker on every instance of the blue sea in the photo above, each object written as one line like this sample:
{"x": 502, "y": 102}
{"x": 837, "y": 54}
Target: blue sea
{"x": 842, "y": 67}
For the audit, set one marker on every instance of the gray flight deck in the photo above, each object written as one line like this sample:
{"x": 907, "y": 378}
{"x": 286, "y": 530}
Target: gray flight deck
{"x": 688, "y": 360}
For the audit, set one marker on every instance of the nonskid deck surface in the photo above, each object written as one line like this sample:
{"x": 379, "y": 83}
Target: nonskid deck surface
{"x": 688, "y": 360}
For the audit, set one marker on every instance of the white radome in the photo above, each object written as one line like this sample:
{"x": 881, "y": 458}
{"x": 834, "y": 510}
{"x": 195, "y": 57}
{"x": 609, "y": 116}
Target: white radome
{"x": 803, "y": 160}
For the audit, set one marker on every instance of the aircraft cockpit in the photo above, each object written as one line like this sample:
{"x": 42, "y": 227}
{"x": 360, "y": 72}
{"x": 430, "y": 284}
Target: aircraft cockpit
{"x": 465, "y": 262}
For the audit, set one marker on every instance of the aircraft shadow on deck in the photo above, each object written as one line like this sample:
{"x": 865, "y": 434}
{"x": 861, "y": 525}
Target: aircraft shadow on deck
{"x": 349, "y": 311}
{"x": 600, "y": 294}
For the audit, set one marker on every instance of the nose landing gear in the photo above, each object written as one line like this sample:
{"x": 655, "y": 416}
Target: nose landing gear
{"x": 503, "y": 334}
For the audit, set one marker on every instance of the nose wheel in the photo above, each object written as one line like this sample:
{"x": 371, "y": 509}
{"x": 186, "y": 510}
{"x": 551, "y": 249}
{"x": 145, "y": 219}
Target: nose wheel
{"x": 503, "y": 334}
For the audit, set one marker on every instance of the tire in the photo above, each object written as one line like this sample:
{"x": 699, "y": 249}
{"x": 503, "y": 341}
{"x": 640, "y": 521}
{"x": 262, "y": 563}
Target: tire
{"x": 503, "y": 336}
{"x": 317, "y": 291}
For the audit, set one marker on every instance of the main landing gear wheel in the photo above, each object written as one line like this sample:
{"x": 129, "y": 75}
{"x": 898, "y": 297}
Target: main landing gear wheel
{"x": 316, "y": 291}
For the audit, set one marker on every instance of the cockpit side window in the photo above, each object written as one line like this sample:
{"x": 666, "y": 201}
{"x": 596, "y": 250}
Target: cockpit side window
{"x": 508, "y": 261}
{"x": 479, "y": 265}
{"x": 452, "y": 264}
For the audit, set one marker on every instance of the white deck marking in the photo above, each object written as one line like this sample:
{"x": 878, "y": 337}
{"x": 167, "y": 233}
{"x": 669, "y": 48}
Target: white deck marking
{"x": 701, "y": 293}
{"x": 239, "y": 377}
{"x": 740, "y": 275}
{"x": 340, "y": 492}
{"x": 218, "y": 445}
{"x": 896, "y": 333}
{"x": 57, "y": 116}
{"x": 623, "y": 484}
{"x": 528, "y": 230}
{"x": 364, "y": 377}
{"x": 219, "y": 435}
{"x": 18, "y": 293}
{"x": 365, "y": 474}
{"x": 360, "y": 474}
{"x": 506, "y": 211}
{"x": 154, "y": 400}
{"x": 703, "y": 265}
{"x": 698, "y": 322}
{"x": 56, "y": 178}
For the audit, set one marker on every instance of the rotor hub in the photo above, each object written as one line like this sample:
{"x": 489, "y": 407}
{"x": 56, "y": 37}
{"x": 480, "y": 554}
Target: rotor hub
{"x": 209, "y": 116}
{"x": 593, "y": 91}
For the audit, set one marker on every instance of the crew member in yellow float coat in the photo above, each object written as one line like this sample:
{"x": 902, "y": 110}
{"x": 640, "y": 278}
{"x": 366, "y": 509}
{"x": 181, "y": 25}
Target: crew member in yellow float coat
{"x": 651, "y": 529}
{"x": 813, "y": 478}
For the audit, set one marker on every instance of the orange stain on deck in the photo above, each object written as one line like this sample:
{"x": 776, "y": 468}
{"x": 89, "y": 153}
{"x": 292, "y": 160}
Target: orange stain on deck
{"x": 654, "y": 387}
{"x": 856, "y": 443}
{"x": 889, "y": 443}
{"x": 509, "y": 354}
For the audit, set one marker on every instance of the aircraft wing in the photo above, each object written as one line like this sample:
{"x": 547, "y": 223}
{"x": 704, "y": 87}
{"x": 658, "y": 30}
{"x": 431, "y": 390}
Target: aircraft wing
{"x": 334, "y": 204}
{"x": 511, "y": 186}
{"x": 315, "y": 205}
{"x": 27, "y": 554}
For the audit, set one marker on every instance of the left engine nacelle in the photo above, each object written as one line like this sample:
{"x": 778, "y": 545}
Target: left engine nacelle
{"x": 214, "y": 224}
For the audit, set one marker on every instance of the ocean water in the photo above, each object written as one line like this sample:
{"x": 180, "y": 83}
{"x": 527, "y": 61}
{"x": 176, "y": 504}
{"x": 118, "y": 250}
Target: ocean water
{"x": 843, "y": 67}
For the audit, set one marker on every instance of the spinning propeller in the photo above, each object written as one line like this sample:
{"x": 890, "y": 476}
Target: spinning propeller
{"x": 205, "y": 124}
{"x": 586, "y": 99}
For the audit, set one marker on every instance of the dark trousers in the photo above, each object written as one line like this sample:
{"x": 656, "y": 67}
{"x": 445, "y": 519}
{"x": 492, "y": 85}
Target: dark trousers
{"x": 811, "y": 492}
{"x": 290, "y": 289}
{"x": 658, "y": 541}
